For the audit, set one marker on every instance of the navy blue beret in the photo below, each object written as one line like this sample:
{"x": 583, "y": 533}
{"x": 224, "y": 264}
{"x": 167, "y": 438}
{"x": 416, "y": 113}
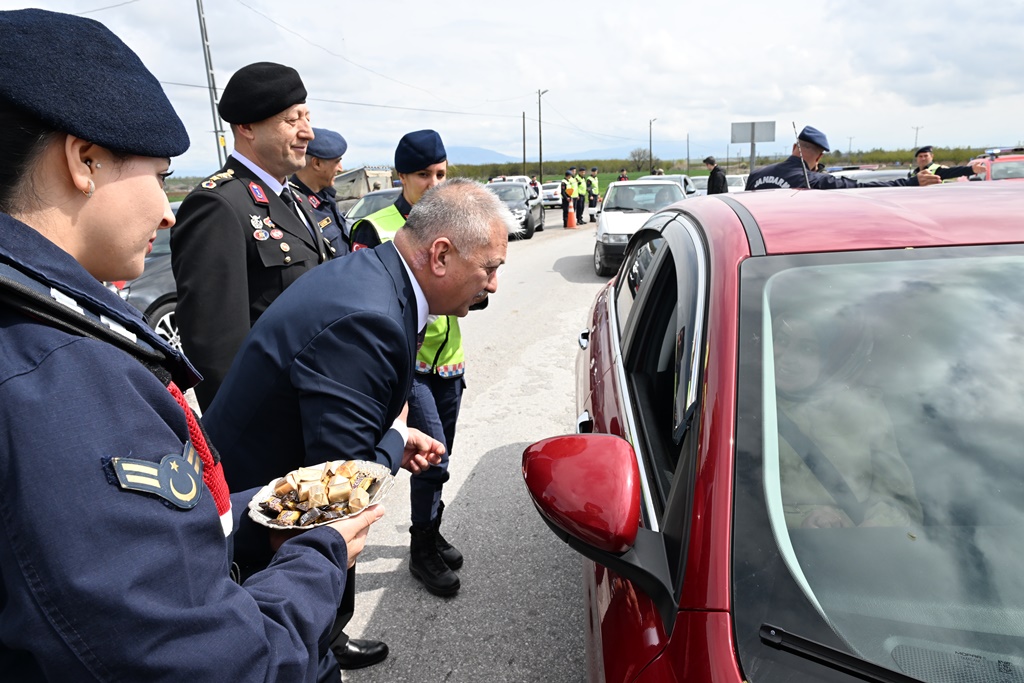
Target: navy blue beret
{"x": 77, "y": 77}
{"x": 593, "y": 168}
{"x": 572, "y": 168}
{"x": 258, "y": 91}
{"x": 327, "y": 144}
{"x": 926, "y": 148}
{"x": 568, "y": 173}
{"x": 813, "y": 136}
{"x": 418, "y": 150}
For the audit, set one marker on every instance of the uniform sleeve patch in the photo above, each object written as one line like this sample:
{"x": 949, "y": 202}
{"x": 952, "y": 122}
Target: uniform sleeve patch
{"x": 177, "y": 478}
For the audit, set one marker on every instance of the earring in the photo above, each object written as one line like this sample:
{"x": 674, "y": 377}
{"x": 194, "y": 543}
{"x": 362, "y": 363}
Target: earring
{"x": 99, "y": 165}
{"x": 92, "y": 188}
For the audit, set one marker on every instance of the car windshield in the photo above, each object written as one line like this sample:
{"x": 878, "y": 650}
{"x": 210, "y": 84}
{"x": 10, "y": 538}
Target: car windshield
{"x": 370, "y": 203}
{"x": 701, "y": 181}
{"x": 162, "y": 244}
{"x": 642, "y": 198}
{"x": 1007, "y": 169}
{"x": 733, "y": 181}
{"x": 879, "y": 477}
{"x": 550, "y": 186}
{"x": 510, "y": 193}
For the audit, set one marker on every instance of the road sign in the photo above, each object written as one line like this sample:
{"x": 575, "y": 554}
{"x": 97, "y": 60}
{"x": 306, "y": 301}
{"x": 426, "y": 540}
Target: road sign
{"x": 753, "y": 132}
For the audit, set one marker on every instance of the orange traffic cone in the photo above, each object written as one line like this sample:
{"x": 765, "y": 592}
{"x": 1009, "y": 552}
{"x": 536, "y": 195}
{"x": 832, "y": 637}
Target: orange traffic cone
{"x": 571, "y": 223}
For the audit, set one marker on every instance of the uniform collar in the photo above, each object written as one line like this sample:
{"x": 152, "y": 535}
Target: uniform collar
{"x": 403, "y": 206}
{"x": 273, "y": 184}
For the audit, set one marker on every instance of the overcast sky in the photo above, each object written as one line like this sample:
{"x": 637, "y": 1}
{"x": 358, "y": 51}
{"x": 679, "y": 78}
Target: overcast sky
{"x": 870, "y": 70}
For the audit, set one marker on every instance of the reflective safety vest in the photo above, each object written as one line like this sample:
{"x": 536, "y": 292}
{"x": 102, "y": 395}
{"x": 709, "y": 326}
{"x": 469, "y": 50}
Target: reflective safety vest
{"x": 387, "y": 222}
{"x": 594, "y": 188}
{"x": 441, "y": 352}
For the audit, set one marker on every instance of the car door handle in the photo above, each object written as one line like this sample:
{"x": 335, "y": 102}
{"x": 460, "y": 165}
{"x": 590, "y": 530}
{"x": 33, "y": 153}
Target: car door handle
{"x": 584, "y": 339}
{"x": 584, "y": 423}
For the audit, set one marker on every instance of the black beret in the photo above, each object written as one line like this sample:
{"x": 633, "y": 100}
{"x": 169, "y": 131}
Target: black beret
{"x": 258, "y": 91}
{"x": 926, "y": 148}
{"x": 326, "y": 145}
{"x": 572, "y": 168}
{"x": 568, "y": 173}
{"x": 813, "y": 136}
{"x": 593, "y": 168}
{"x": 76, "y": 76}
{"x": 710, "y": 161}
{"x": 417, "y": 150}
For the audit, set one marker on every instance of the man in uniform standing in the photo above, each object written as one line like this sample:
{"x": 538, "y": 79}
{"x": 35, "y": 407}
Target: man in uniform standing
{"x": 796, "y": 171}
{"x": 315, "y": 182}
{"x": 241, "y": 236}
{"x": 593, "y": 192}
{"x": 926, "y": 162}
{"x": 567, "y": 189}
{"x": 717, "y": 184}
{"x": 623, "y": 175}
{"x": 581, "y": 194}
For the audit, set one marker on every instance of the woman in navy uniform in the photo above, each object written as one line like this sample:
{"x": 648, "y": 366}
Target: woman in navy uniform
{"x": 115, "y": 521}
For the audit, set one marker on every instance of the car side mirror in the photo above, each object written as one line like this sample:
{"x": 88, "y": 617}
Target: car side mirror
{"x": 587, "y": 489}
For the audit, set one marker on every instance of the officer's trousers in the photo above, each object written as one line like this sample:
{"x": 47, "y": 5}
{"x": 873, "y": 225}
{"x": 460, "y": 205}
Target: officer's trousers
{"x": 579, "y": 209}
{"x": 566, "y": 206}
{"x": 434, "y": 403}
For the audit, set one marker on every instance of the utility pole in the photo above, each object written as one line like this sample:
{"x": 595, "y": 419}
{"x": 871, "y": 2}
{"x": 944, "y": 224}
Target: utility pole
{"x": 218, "y": 129}
{"x": 650, "y": 144}
{"x": 540, "y": 138}
{"x": 916, "y": 128}
{"x": 524, "y": 144}
{"x": 849, "y": 149}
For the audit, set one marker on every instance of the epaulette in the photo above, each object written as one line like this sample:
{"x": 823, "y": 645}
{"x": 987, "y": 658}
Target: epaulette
{"x": 218, "y": 178}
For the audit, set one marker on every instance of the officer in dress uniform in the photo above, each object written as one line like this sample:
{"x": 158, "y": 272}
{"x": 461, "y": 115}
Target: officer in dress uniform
{"x": 926, "y": 162}
{"x": 796, "y": 171}
{"x": 436, "y": 394}
{"x": 315, "y": 182}
{"x": 242, "y": 235}
{"x": 568, "y": 188}
{"x": 124, "y": 573}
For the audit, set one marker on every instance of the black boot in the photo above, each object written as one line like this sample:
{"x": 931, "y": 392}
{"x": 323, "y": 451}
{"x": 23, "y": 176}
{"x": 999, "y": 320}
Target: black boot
{"x": 426, "y": 564}
{"x": 449, "y": 553}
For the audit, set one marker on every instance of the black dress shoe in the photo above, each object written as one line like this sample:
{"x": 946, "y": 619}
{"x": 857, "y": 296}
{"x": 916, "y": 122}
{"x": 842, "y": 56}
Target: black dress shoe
{"x": 358, "y": 654}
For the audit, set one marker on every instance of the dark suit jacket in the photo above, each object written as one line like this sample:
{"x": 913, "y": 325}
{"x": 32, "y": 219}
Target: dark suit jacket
{"x": 323, "y": 374}
{"x": 230, "y": 263}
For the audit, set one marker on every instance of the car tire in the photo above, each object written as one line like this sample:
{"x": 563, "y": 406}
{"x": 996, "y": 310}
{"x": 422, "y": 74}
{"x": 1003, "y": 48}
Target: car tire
{"x": 600, "y": 265}
{"x": 162, "y": 321}
{"x": 527, "y": 232}
{"x": 543, "y": 217}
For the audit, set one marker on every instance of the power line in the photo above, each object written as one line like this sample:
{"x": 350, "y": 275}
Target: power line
{"x": 100, "y": 9}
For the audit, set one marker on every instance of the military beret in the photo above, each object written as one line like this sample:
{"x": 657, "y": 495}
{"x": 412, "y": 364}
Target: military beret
{"x": 710, "y": 161}
{"x": 568, "y": 173}
{"x": 258, "y": 91}
{"x": 814, "y": 136}
{"x": 926, "y": 148}
{"x": 77, "y": 77}
{"x": 572, "y": 168}
{"x": 417, "y": 150}
{"x": 593, "y": 168}
{"x": 326, "y": 144}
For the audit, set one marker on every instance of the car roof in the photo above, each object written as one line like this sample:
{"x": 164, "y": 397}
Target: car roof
{"x": 805, "y": 221}
{"x": 517, "y": 183}
{"x": 616, "y": 183}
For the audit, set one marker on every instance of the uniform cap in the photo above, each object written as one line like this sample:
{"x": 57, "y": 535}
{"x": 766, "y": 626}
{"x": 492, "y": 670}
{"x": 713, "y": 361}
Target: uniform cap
{"x": 710, "y": 161}
{"x": 572, "y": 168}
{"x": 76, "y": 76}
{"x": 593, "y": 168}
{"x": 258, "y": 91}
{"x": 326, "y": 144}
{"x": 568, "y": 173}
{"x": 814, "y": 136}
{"x": 926, "y": 148}
{"x": 419, "y": 149}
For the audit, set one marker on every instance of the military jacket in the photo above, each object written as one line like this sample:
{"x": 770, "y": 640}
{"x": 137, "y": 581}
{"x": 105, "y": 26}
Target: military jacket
{"x": 329, "y": 218}
{"x": 790, "y": 174}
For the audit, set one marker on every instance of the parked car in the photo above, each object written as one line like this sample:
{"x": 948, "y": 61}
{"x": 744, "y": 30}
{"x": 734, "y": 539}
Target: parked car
{"x": 153, "y": 293}
{"x": 736, "y": 182}
{"x": 1005, "y": 163}
{"x": 525, "y": 204}
{"x": 627, "y": 205}
{"x": 797, "y": 454}
{"x": 551, "y": 195}
{"x": 701, "y": 183}
{"x": 372, "y": 202}
{"x": 684, "y": 181}
{"x": 870, "y": 176}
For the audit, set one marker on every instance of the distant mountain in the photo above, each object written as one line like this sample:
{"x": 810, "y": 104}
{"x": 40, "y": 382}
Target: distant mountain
{"x": 477, "y": 155}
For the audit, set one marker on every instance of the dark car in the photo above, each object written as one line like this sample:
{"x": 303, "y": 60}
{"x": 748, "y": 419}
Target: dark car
{"x": 525, "y": 204}
{"x": 372, "y": 202}
{"x": 153, "y": 292}
{"x": 798, "y": 447}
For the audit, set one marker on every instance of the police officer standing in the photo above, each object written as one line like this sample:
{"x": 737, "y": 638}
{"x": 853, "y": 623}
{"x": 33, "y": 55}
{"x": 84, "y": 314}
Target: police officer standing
{"x": 567, "y": 189}
{"x": 581, "y": 194}
{"x": 796, "y": 171}
{"x": 593, "y": 191}
{"x": 717, "y": 184}
{"x": 623, "y": 175}
{"x": 926, "y": 162}
{"x": 436, "y": 394}
{"x": 315, "y": 182}
{"x": 242, "y": 236}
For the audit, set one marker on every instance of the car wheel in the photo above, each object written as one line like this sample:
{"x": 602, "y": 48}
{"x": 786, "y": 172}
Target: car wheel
{"x": 527, "y": 231}
{"x": 543, "y": 217}
{"x": 600, "y": 266}
{"x": 163, "y": 323}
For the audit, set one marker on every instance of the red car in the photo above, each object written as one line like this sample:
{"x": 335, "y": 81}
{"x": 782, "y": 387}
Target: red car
{"x": 1005, "y": 163}
{"x": 799, "y": 446}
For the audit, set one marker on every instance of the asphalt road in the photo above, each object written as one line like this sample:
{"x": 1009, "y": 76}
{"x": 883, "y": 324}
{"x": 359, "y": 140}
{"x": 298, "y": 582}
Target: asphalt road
{"x": 519, "y": 615}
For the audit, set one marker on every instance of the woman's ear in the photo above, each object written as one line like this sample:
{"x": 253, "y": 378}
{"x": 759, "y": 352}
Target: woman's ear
{"x": 82, "y": 163}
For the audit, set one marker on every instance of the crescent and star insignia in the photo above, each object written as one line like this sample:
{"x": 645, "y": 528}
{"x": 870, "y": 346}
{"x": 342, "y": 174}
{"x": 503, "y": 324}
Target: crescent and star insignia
{"x": 177, "y": 478}
{"x": 314, "y": 202}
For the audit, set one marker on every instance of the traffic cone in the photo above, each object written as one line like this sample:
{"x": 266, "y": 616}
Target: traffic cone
{"x": 571, "y": 223}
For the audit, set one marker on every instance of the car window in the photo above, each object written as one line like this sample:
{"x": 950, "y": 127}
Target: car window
{"x": 1007, "y": 169}
{"x": 641, "y": 198}
{"x": 162, "y": 243}
{"x": 510, "y": 192}
{"x": 701, "y": 182}
{"x": 879, "y": 483}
